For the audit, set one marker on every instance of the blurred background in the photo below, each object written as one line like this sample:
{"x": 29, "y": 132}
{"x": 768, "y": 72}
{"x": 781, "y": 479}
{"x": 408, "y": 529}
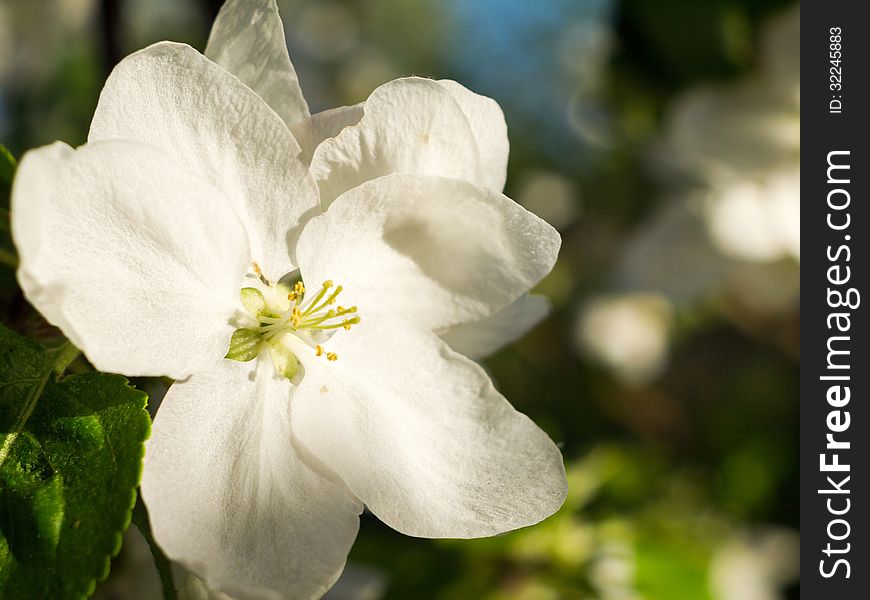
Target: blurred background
{"x": 662, "y": 139}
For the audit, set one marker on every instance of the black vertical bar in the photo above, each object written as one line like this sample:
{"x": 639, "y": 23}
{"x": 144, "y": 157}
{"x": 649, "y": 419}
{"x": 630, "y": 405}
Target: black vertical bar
{"x": 835, "y": 222}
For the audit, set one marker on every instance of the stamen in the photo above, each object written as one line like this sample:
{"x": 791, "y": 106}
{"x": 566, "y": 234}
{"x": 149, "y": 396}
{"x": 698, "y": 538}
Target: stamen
{"x": 259, "y": 273}
{"x": 346, "y": 324}
{"x": 308, "y": 319}
{"x": 297, "y": 293}
{"x": 334, "y": 295}
{"x": 311, "y": 307}
{"x": 328, "y": 301}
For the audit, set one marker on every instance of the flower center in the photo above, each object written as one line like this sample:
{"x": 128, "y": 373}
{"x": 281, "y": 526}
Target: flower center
{"x": 282, "y": 310}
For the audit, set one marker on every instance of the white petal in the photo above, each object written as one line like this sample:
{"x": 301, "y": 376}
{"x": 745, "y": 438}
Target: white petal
{"x": 429, "y": 249}
{"x": 672, "y": 253}
{"x": 315, "y": 129}
{"x": 247, "y": 39}
{"x": 138, "y": 262}
{"x": 629, "y": 333}
{"x": 194, "y": 588}
{"x": 420, "y": 435}
{"x": 784, "y": 212}
{"x": 740, "y": 132}
{"x": 757, "y": 219}
{"x": 235, "y": 498}
{"x": 410, "y": 125}
{"x": 479, "y": 339}
{"x": 490, "y": 131}
{"x": 217, "y": 129}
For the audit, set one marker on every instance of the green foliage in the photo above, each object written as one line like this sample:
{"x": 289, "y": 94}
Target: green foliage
{"x": 7, "y": 171}
{"x": 70, "y": 459}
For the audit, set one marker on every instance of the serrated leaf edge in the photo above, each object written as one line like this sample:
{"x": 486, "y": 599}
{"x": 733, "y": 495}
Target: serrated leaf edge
{"x": 128, "y": 515}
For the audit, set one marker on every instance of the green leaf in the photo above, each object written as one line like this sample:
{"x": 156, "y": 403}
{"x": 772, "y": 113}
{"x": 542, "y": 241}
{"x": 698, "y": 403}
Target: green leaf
{"x": 70, "y": 459}
{"x": 7, "y": 169}
{"x": 8, "y": 255}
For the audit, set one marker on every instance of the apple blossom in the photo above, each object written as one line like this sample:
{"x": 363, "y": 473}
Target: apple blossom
{"x": 410, "y": 125}
{"x": 629, "y": 333}
{"x": 305, "y": 317}
{"x": 730, "y": 237}
{"x": 742, "y": 142}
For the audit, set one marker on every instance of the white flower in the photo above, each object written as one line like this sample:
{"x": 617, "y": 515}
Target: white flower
{"x": 672, "y": 254}
{"x": 158, "y": 241}
{"x": 742, "y": 143}
{"x": 756, "y": 565}
{"x": 757, "y": 220}
{"x": 729, "y": 241}
{"x": 629, "y": 333}
{"x": 410, "y": 125}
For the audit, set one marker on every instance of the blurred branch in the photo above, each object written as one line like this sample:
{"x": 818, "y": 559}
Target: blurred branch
{"x": 164, "y": 567}
{"x": 209, "y": 10}
{"x": 110, "y": 20}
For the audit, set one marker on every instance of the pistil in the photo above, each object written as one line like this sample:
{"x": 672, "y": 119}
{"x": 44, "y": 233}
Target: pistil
{"x": 309, "y": 320}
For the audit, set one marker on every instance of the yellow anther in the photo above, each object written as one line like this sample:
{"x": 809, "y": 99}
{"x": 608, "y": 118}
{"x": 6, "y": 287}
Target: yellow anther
{"x": 334, "y": 295}
{"x": 309, "y": 318}
{"x": 259, "y": 273}
{"x": 318, "y": 351}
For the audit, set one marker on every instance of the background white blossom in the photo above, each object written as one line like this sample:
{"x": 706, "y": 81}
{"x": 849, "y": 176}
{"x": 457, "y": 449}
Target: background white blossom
{"x": 662, "y": 140}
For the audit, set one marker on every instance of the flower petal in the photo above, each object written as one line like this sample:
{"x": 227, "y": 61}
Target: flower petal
{"x": 234, "y": 497}
{"x": 479, "y": 339}
{"x": 315, "y": 129}
{"x": 742, "y": 132}
{"x": 490, "y": 131}
{"x": 429, "y": 249}
{"x": 247, "y": 39}
{"x": 756, "y": 219}
{"x": 410, "y": 125}
{"x": 217, "y": 129}
{"x": 135, "y": 260}
{"x": 420, "y": 435}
